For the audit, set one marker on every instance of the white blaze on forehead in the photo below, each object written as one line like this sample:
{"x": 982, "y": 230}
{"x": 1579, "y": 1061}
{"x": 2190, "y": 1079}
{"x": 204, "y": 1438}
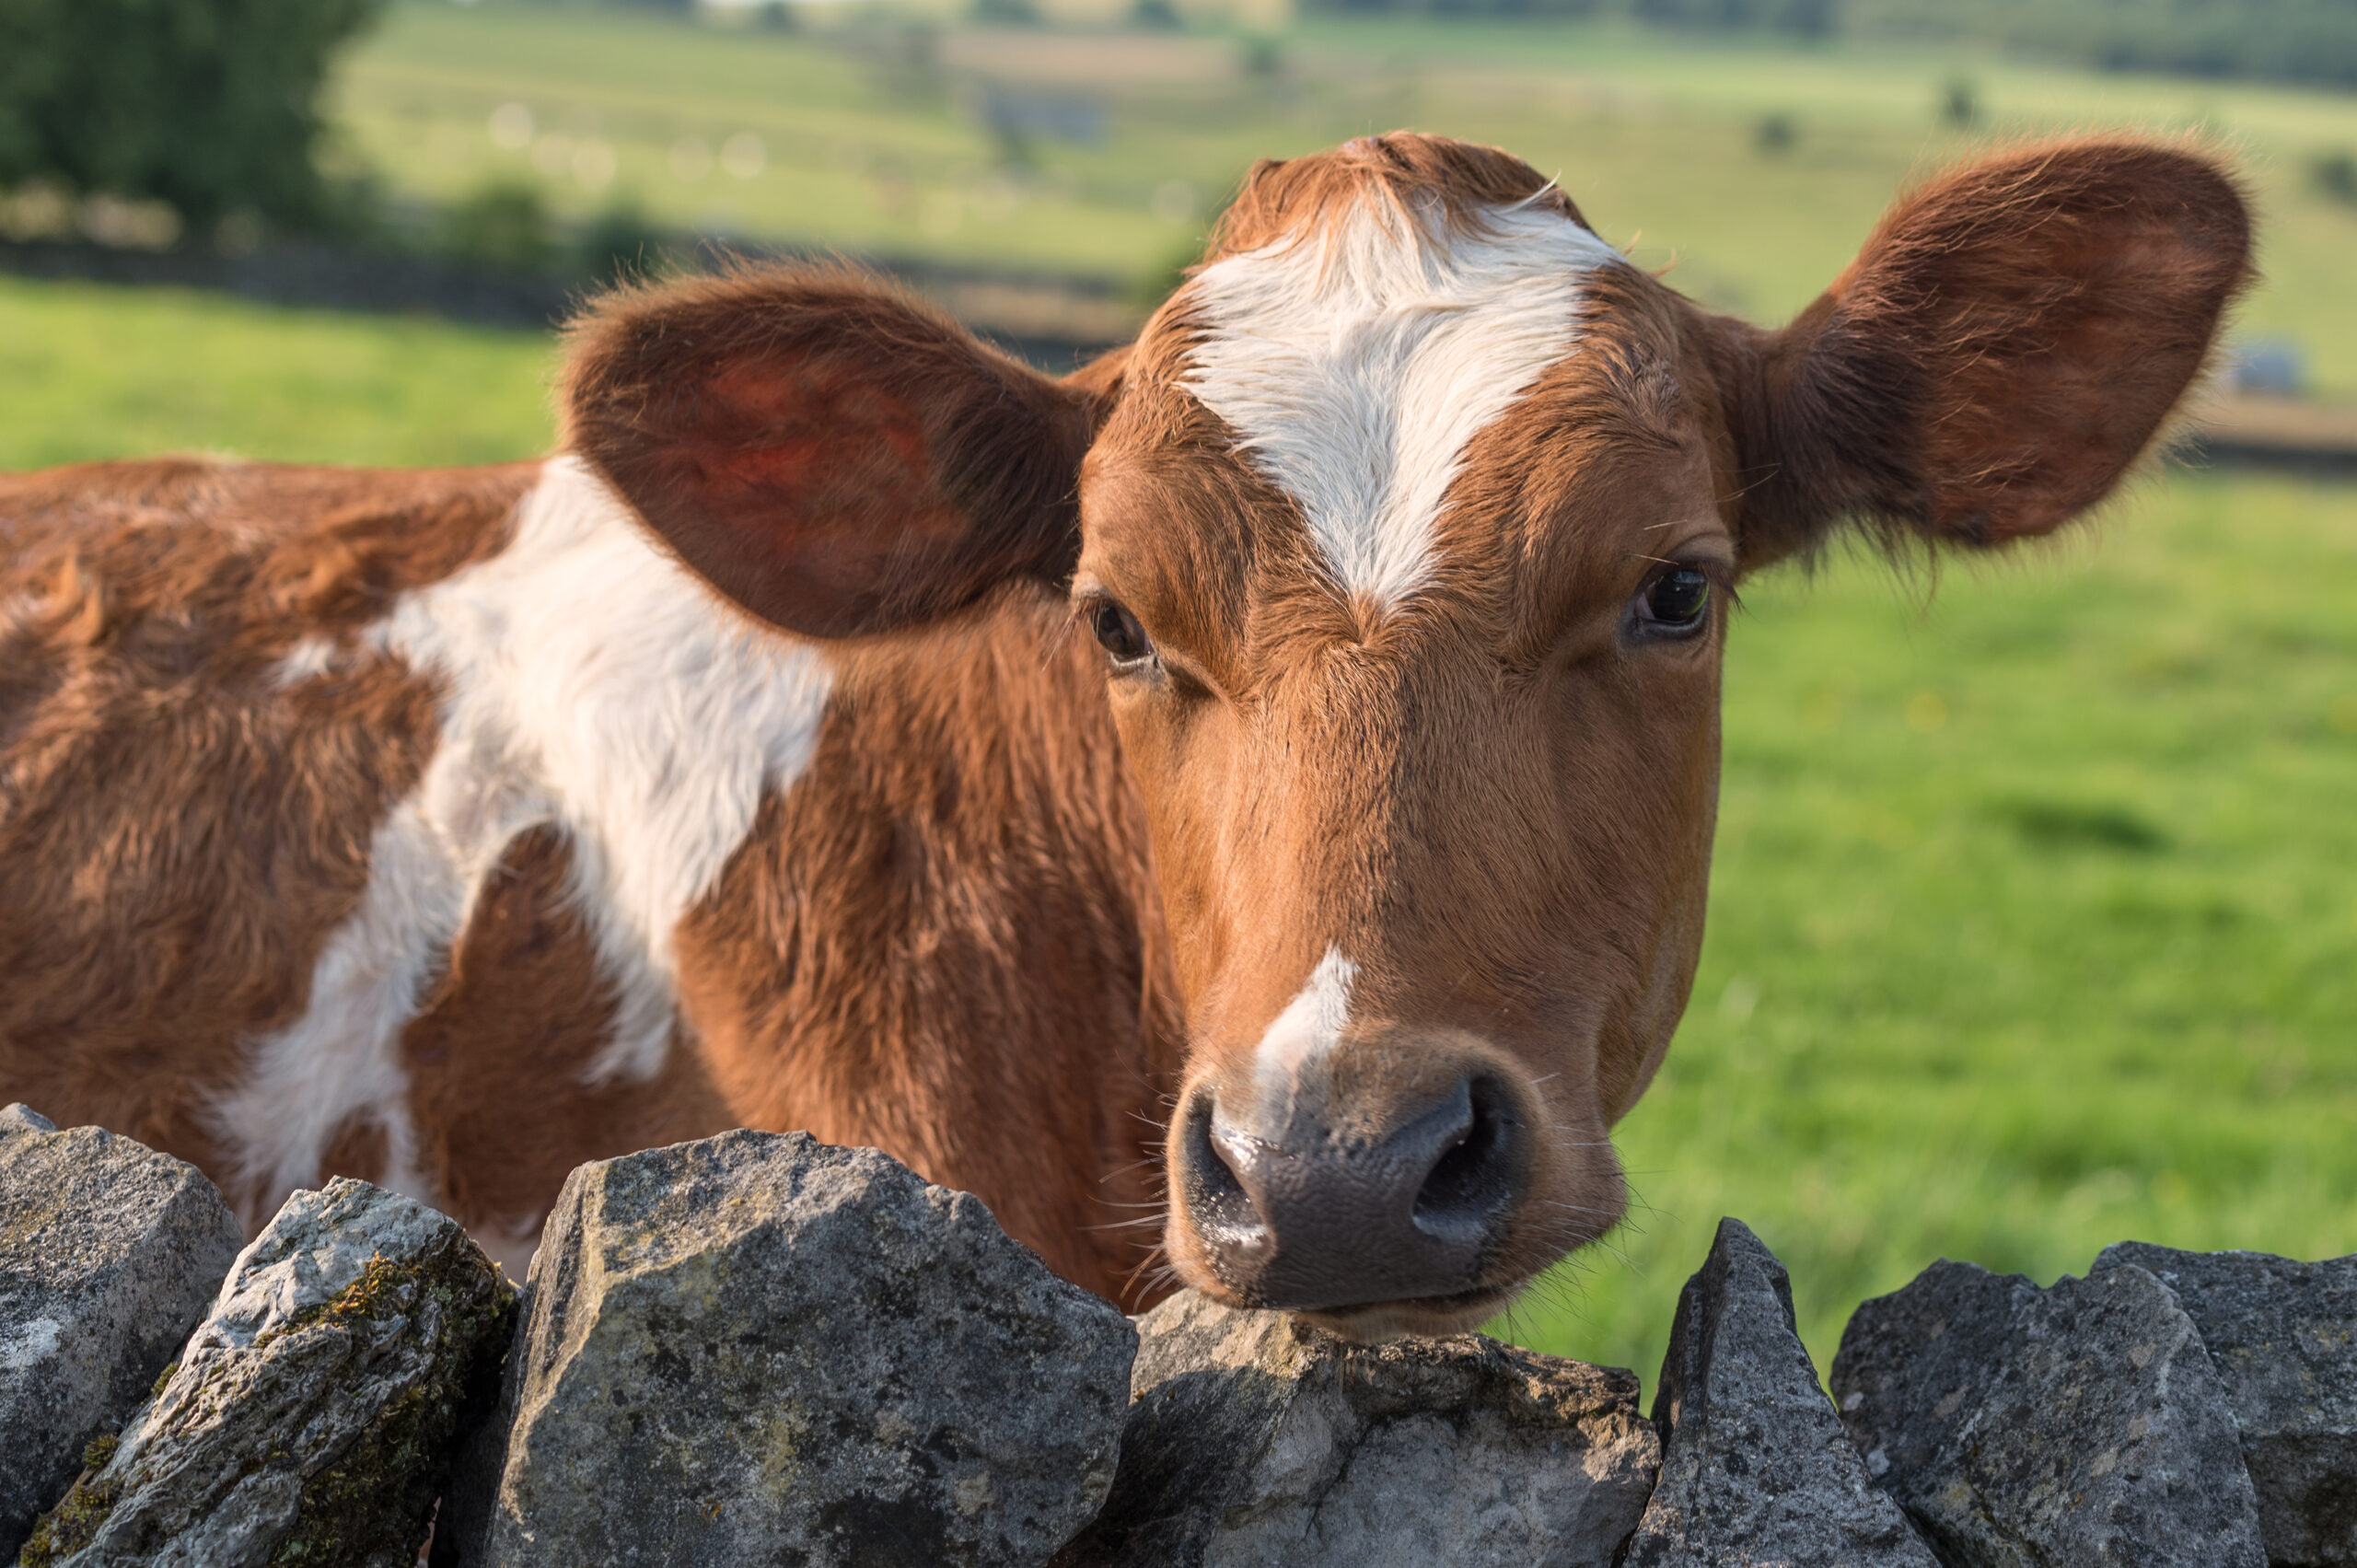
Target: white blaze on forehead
{"x": 1308, "y": 1029}
{"x": 1356, "y": 361}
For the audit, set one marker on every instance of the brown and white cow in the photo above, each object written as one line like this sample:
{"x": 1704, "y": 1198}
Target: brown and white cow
{"x": 1299, "y": 728}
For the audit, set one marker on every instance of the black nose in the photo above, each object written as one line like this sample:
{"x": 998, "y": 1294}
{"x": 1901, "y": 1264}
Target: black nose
{"x": 1317, "y": 1223}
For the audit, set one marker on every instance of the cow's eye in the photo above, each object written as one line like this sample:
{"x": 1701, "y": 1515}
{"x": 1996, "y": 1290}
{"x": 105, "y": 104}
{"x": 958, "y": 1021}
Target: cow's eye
{"x": 1118, "y": 630}
{"x": 1677, "y": 601}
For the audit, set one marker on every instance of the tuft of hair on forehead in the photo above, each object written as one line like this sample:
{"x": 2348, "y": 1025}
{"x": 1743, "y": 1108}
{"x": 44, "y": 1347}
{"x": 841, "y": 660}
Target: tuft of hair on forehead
{"x": 1427, "y": 180}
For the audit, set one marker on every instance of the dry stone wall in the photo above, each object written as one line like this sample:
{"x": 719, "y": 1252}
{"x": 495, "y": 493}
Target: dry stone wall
{"x": 760, "y": 1349}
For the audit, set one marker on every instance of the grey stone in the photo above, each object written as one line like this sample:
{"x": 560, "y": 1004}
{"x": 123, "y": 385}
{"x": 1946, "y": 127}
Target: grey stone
{"x": 1255, "y": 1440}
{"x": 1756, "y": 1468}
{"x": 313, "y": 1416}
{"x": 2081, "y": 1424}
{"x": 760, "y": 1349}
{"x": 109, "y": 1253}
{"x": 2283, "y": 1336}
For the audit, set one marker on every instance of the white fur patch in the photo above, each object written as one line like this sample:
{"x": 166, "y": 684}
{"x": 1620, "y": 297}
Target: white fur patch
{"x": 1356, "y": 361}
{"x": 309, "y": 659}
{"x": 1308, "y": 1029}
{"x": 589, "y": 682}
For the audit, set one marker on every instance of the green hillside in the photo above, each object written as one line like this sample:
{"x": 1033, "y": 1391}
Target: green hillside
{"x": 1751, "y": 168}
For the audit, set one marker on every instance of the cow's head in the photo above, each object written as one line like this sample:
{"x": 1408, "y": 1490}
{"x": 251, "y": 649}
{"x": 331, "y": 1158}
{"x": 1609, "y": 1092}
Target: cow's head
{"x": 1409, "y": 527}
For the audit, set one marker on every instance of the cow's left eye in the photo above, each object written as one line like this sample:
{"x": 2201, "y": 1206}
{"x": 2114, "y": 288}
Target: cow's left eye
{"x": 1119, "y": 632}
{"x": 1677, "y": 601}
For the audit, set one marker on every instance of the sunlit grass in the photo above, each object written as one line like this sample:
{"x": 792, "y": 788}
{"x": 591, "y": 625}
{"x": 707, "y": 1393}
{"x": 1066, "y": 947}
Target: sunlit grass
{"x": 88, "y": 372}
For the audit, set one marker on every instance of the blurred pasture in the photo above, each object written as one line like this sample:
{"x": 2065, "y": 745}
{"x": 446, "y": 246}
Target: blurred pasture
{"x": 2035, "y": 920}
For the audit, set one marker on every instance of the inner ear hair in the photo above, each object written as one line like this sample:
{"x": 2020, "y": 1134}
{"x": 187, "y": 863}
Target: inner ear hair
{"x": 2008, "y": 343}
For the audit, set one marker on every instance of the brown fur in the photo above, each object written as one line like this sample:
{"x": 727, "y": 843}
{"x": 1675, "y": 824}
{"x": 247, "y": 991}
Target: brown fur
{"x": 496, "y": 1057}
{"x": 1429, "y": 179}
{"x": 966, "y": 844}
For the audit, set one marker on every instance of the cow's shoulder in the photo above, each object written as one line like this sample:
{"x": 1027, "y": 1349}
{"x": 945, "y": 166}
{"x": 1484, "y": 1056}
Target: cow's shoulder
{"x": 251, "y": 554}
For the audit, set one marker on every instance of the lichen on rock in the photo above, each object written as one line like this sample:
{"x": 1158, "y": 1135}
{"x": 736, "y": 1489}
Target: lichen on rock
{"x": 2283, "y": 1337}
{"x": 760, "y": 1349}
{"x": 109, "y": 1253}
{"x": 2082, "y": 1424}
{"x": 1254, "y": 1441}
{"x": 313, "y": 1417}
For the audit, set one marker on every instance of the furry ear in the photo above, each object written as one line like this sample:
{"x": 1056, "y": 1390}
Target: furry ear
{"x": 834, "y": 455}
{"x": 2008, "y": 342}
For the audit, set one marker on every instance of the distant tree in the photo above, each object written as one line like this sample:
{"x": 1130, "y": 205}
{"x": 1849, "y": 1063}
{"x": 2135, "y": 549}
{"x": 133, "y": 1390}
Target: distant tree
{"x": 1809, "y": 18}
{"x": 2335, "y": 175}
{"x": 1960, "y": 104}
{"x": 1774, "y": 135}
{"x": 209, "y": 105}
{"x": 621, "y": 243}
{"x": 505, "y": 225}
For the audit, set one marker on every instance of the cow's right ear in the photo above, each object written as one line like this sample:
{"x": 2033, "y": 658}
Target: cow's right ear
{"x": 834, "y": 455}
{"x": 2009, "y": 340}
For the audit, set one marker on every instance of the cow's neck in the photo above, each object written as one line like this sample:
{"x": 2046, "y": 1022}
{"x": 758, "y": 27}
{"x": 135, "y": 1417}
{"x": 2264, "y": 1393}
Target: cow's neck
{"x": 895, "y": 890}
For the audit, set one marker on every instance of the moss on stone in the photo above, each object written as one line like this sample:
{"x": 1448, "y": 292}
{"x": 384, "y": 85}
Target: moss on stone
{"x": 375, "y": 1501}
{"x": 375, "y": 1293}
{"x": 73, "y": 1523}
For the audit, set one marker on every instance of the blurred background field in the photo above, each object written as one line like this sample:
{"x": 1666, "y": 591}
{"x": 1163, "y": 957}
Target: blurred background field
{"x": 2035, "y": 918}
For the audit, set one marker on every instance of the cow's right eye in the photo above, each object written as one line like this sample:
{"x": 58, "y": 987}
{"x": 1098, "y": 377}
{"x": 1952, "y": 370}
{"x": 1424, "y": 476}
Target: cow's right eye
{"x": 1119, "y": 632}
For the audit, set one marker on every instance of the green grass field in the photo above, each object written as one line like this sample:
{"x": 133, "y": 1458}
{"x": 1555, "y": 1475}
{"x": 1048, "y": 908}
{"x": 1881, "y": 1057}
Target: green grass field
{"x": 89, "y": 372}
{"x": 2034, "y": 925}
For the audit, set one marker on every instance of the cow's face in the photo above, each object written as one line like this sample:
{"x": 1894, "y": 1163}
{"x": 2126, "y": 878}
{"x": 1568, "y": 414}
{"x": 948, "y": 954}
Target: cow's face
{"x": 1409, "y": 530}
{"x": 1406, "y": 544}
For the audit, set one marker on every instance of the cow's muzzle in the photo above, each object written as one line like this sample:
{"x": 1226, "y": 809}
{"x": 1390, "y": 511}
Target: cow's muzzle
{"x": 1310, "y": 1217}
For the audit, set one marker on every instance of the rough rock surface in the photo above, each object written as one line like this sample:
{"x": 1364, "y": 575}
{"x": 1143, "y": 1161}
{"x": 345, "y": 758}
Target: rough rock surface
{"x": 1756, "y": 1468}
{"x": 760, "y": 1349}
{"x": 1253, "y": 1440}
{"x": 109, "y": 1253}
{"x": 2081, "y": 1424}
{"x": 313, "y": 1415}
{"x": 2283, "y": 1336}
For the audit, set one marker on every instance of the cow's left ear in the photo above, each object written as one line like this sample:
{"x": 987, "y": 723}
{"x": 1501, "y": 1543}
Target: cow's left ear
{"x": 834, "y": 455}
{"x": 2009, "y": 340}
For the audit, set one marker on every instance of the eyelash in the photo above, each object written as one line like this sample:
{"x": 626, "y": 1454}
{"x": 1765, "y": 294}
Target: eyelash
{"x": 1111, "y": 623}
{"x": 1685, "y": 580}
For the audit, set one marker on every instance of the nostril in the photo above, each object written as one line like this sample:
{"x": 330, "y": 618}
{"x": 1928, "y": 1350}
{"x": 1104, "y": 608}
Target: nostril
{"x": 1222, "y": 1212}
{"x": 1476, "y": 1176}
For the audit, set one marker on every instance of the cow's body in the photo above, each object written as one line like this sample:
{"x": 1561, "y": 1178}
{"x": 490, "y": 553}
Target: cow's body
{"x": 1299, "y": 729}
{"x": 438, "y": 830}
